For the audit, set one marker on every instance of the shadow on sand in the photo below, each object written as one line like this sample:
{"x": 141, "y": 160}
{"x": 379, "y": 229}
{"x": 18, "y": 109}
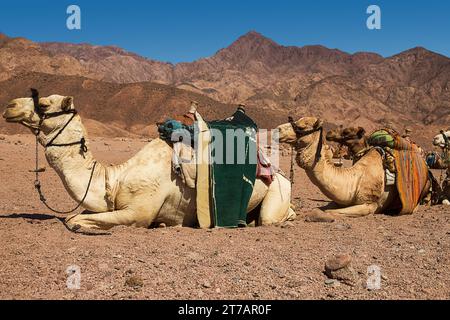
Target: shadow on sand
{"x": 31, "y": 216}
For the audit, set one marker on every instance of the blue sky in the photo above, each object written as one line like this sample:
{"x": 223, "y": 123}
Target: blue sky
{"x": 185, "y": 30}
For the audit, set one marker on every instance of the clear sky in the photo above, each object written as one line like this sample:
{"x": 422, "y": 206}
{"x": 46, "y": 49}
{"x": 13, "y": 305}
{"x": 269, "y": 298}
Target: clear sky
{"x": 185, "y": 30}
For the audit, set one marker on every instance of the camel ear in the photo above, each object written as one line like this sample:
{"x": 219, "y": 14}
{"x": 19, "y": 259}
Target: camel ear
{"x": 67, "y": 104}
{"x": 318, "y": 124}
{"x": 361, "y": 132}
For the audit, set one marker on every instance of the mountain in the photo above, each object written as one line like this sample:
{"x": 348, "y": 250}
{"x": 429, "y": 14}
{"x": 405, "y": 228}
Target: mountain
{"x": 411, "y": 88}
{"x": 115, "y": 109}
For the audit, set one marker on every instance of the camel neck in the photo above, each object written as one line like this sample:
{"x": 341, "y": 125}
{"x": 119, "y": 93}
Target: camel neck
{"x": 330, "y": 179}
{"x": 357, "y": 147}
{"x": 74, "y": 166}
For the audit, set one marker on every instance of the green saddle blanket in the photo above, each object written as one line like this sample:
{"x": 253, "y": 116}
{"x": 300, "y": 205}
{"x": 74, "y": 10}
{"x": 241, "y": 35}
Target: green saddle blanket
{"x": 232, "y": 169}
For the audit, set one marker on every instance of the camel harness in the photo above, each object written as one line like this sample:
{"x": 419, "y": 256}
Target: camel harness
{"x": 82, "y": 143}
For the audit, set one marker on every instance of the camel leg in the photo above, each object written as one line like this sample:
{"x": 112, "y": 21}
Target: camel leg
{"x": 104, "y": 220}
{"x": 356, "y": 211}
{"x": 275, "y": 207}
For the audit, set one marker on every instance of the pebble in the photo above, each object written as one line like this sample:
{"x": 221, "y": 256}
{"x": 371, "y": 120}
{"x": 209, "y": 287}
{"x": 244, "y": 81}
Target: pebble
{"x": 206, "y": 284}
{"x": 287, "y": 224}
{"x": 343, "y": 227}
{"x": 421, "y": 251}
{"x": 134, "y": 282}
{"x": 330, "y": 282}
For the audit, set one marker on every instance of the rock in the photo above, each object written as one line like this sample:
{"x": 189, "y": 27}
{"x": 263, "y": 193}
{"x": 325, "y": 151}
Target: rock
{"x": 319, "y": 216}
{"x": 2, "y": 138}
{"x": 421, "y": 251}
{"x": 330, "y": 282}
{"x": 134, "y": 282}
{"x": 218, "y": 290}
{"x": 162, "y": 225}
{"x": 287, "y": 224}
{"x": 343, "y": 227}
{"x": 206, "y": 284}
{"x": 338, "y": 262}
{"x": 340, "y": 268}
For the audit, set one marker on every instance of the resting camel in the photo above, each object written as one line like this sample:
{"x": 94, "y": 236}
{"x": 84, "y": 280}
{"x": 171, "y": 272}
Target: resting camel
{"x": 442, "y": 140}
{"x": 439, "y": 162}
{"x": 353, "y": 138}
{"x": 360, "y": 190}
{"x": 140, "y": 192}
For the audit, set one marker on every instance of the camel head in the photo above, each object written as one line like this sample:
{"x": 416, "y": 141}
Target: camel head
{"x": 23, "y": 111}
{"x": 345, "y": 135}
{"x": 439, "y": 140}
{"x": 287, "y": 134}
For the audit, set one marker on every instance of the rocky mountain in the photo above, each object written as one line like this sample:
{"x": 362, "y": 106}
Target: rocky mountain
{"x": 408, "y": 89}
{"x": 115, "y": 109}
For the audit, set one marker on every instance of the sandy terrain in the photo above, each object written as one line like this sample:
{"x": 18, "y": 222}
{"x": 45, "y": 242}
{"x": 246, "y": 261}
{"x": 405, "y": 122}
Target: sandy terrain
{"x": 413, "y": 252}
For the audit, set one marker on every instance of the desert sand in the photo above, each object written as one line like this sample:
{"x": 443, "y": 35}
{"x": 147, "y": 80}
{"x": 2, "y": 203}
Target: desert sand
{"x": 278, "y": 262}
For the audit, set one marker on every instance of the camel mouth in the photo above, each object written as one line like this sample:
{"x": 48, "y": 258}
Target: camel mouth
{"x": 12, "y": 119}
{"x": 13, "y": 116}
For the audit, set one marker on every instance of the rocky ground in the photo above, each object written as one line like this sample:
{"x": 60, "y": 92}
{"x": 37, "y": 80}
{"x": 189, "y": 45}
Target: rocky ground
{"x": 288, "y": 262}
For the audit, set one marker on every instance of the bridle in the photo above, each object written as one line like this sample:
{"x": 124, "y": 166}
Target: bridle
{"x": 43, "y": 116}
{"x": 300, "y": 133}
{"x": 83, "y": 148}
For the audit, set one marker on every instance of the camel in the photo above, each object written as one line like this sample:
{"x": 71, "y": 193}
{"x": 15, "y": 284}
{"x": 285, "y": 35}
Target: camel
{"x": 359, "y": 190}
{"x": 442, "y": 140}
{"x": 141, "y": 192}
{"x": 353, "y": 138}
{"x": 439, "y": 163}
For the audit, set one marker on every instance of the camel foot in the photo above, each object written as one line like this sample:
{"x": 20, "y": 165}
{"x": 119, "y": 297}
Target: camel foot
{"x": 76, "y": 228}
{"x": 319, "y": 216}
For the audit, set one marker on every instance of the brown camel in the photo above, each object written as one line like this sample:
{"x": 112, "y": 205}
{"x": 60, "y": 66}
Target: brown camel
{"x": 360, "y": 190}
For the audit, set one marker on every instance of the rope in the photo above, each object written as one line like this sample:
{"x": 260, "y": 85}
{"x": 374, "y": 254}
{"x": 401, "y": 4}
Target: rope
{"x": 37, "y": 185}
{"x": 291, "y": 178}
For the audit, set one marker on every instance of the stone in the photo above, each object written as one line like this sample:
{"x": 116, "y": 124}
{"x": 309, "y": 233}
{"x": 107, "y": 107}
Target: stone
{"x": 134, "y": 282}
{"x": 340, "y": 268}
{"x": 206, "y": 284}
{"x": 287, "y": 224}
{"x": 343, "y": 227}
{"x": 338, "y": 262}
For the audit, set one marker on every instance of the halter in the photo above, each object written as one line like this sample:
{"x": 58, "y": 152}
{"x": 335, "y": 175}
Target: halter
{"x": 43, "y": 116}
{"x": 82, "y": 143}
{"x": 300, "y": 133}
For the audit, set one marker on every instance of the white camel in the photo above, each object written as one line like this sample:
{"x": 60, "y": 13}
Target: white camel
{"x": 140, "y": 192}
{"x": 444, "y": 143}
